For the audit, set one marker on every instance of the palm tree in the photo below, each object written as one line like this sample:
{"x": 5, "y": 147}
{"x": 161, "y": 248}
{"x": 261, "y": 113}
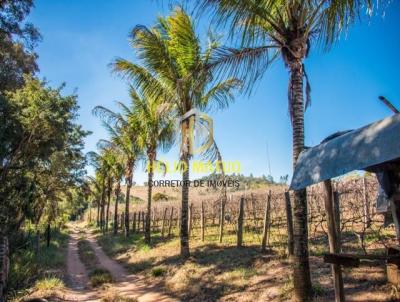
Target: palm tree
{"x": 115, "y": 159}
{"x": 99, "y": 162}
{"x": 123, "y": 131}
{"x": 267, "y": 29}
{"x": 156, "y": 128}
{"x": 174, "y": 68}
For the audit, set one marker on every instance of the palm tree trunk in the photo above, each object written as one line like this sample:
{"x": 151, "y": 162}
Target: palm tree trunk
{"x": 185, "y": 209}
{"x": 301, "y": 268}
{"x": 98, "y": 214}
{"x": 109, "y": 188}
{"x": 149, "y": 193}
{"x": 102, "y": 202}
{"x": 117, "y": 192}
{"x": 129, "y": 175}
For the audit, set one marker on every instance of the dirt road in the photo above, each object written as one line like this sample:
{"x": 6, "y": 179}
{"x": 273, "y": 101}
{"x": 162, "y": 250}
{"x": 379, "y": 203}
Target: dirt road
{"x": 125, "y": 284}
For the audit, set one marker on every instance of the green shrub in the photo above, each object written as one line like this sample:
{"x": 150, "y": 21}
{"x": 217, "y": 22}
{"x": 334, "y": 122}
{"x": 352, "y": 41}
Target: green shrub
{"x": 158, "y": 271}
{"x": 160, "y": 196}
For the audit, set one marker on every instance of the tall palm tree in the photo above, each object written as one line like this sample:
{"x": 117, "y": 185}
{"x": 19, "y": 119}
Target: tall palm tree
{"x": 174, "y": 68}
{"x": 285, "y": 28}
{"x": 99, "y": 162}
{"x": 115, "y": 159}
{"x": 156, "y": 128}
{"x": 123, "y": 131}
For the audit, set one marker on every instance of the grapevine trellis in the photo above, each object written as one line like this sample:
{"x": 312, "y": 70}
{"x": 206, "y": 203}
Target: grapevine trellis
{"x": 356, "y": 200}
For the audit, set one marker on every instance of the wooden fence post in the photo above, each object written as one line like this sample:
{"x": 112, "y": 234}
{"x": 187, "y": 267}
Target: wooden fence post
{"x": 134, "y": 223}
{"x": 171, "y": 221}
{"x": 254, "y": 210}
{"x": 4, "y": 266}
{"x": 265, "y": 237}
{"x": 155, "y": 221}
{"x": 139, "y": 221}
{"x": 333, "y": 243}
{"x": 122, "y": 220}
{"x": 144, "y": 218}
{"x": 202, "y": 220}
{"x": 367, "y": 216}
{"x": 336, "y": 212}
{"x": 240, "y": 223}
{"x": 289, "y": 219}
{"x": 222, "y": 219}
{"x": 163, "y": 222}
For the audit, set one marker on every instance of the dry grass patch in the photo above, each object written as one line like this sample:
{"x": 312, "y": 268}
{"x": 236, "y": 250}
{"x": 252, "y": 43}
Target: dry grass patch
{"x": 112, "y": 296}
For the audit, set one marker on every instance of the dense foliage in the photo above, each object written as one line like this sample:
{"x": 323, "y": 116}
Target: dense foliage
{"x": 41, "y": 160}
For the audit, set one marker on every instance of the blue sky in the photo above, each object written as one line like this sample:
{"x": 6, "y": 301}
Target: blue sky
{"x": 80, "y": 39}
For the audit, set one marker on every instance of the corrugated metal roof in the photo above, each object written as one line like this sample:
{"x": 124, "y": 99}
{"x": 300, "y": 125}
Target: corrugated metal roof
{"x": 359, "y": 149}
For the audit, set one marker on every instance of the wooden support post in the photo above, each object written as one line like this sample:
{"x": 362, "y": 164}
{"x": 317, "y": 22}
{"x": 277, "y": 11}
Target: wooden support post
{"x": 163, "y": 222}
{"x": 240, "y": 223}
{"x": 134, "y": 223}
{"x": 266, "y": 223}
{"x": 333, "y": 242}
{"x": 171, "y": 221}
{"x": 202, "y": 220}
{"x": 289, "y": 219}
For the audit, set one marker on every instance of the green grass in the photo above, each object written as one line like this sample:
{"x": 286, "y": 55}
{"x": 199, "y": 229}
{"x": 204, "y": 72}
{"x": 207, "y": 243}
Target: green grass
{"x": 86, "y": 254}
{"x": 97, "y": 274}
{"x": 114, "y": 245}
{"x": 27, "y": 267}
{"x": 100, "y": 276}
{"x": 49, "y": 284}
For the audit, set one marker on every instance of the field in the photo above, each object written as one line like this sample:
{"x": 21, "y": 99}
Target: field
{"x": 222, "y": 271}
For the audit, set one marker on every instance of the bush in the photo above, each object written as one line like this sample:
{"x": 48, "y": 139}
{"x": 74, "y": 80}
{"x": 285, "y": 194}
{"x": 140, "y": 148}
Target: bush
{"x": 160, "y": 196}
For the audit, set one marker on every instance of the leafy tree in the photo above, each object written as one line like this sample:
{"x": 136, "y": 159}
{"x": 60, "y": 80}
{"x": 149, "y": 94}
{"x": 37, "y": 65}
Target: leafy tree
{"x": 268, "y": 29}
{"x": 17, "y": 41}
{"x": 41, "y": 158}
{"x": 174, "y": 67}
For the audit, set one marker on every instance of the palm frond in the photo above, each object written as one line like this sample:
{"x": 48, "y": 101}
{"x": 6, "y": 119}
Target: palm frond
{"x": 246, "y": 64}
{"x": 221, "y": 95}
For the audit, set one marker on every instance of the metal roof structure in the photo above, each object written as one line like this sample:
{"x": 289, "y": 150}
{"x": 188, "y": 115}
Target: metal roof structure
{"x": 360, "y": 149}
